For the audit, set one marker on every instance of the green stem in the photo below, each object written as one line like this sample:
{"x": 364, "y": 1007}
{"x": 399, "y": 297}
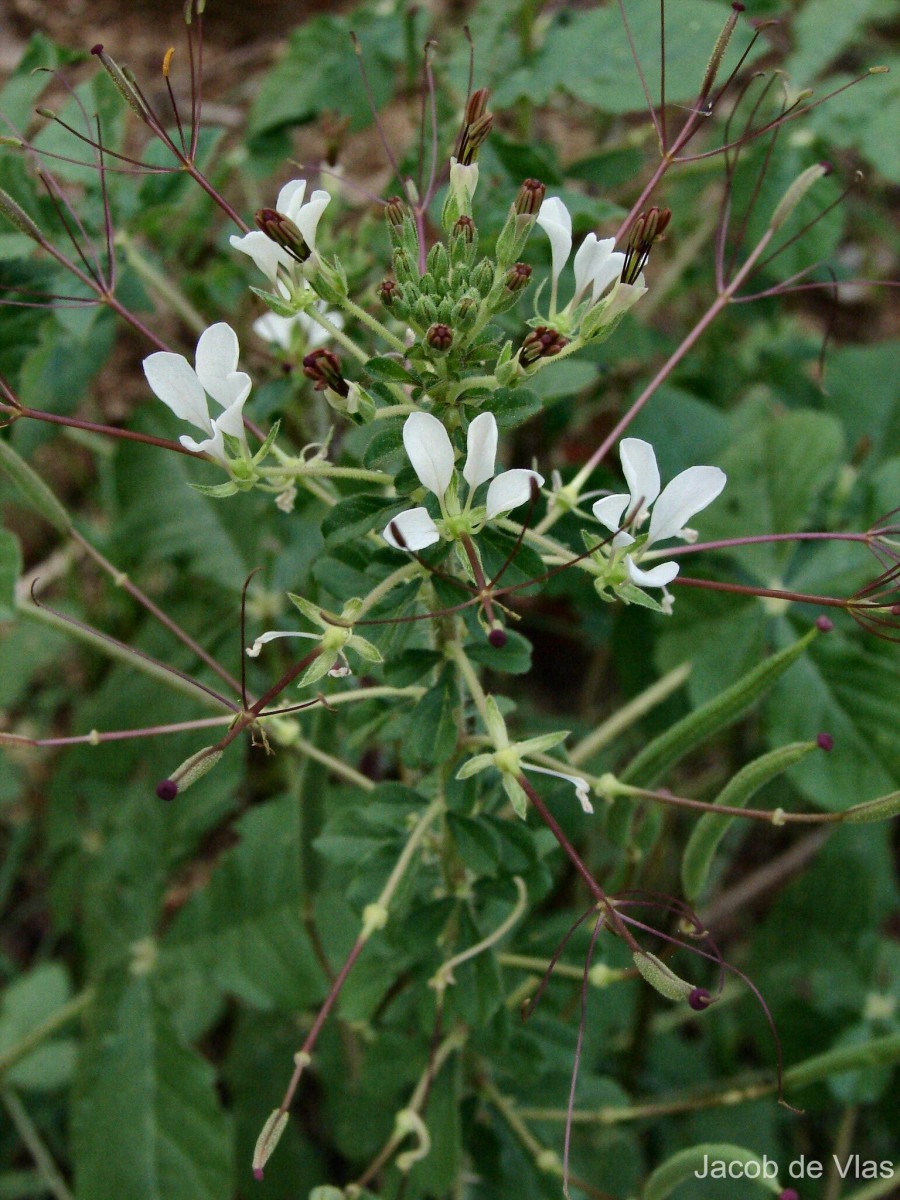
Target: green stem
{"x": 470, "y": 677}
{"x": 43, "y": 1159}
{"x": 407, "y": 571}
{"x": 161, "y": 284}
{"x": 63, "y": 1015}
{"x": 333, "y": 764}
{"x": 374, "y": 325}
{"x": 629, "y": 714}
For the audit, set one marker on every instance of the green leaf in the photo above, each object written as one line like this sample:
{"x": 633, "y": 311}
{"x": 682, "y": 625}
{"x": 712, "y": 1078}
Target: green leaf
{"x": 821, "y": 30}
{"x": 850, "y": 693}
{"x": 355, "y": 517}
{"x": 513, "y": 658}
{"x": 390, "y": 370}
{"x": 514, "y": 406}
{"x": 432, "y": 723}
{"x": 10, "y": 570}
{"x": 245, "y": 929}
{"x": 32, "y": 489}
{"x": 686, "y": 1163}
{"x": 27, "y": 1003}
{"x": 569, "y": 59}
{"x": 320, "y": 73}
{"x": 147, "y": 1120}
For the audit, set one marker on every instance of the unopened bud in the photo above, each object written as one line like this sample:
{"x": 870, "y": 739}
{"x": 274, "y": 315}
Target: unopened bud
{"x": 647, "y": 228}
{"x": 824, "y": 624}
{"x": 517, "y": 277}
{"x": 530, "y": 197}
{"x": 542, "y": 342}
{"x": 476, "y": 106}
{"x": 283, "y": 232}
{"x": 497, "y": 637}
{"x": 474, "y": 137}
{"x": 439, "y": 337}
{"x": 699, "y": 999}
{"x": 395, "y": 210}
{"x": 324, "y": 367}
{"x": 464, "y": 228}
{"x": 389, "y": 291}
{"x": 796, "y": 192}
{"x": 167, "y": 789}
{"x": 789, "y": 1194}
{"x": 825, "y": 741}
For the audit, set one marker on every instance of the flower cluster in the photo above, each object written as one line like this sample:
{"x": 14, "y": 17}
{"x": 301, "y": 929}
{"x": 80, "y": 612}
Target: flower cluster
{"x": 432, "y": 456}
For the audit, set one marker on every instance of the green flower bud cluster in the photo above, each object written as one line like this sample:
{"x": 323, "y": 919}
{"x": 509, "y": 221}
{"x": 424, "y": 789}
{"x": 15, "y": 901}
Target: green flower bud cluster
{"x": 448, "y": 304}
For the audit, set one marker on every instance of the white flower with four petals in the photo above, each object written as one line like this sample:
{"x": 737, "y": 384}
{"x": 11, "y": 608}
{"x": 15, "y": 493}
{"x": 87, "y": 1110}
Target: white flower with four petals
{"x": 268, "y": 255}
{"x": 687, "y": 494}
{"x": 431, "y": 453}
{"x": 185, "y": 389}
{"x": 597, "y": 265}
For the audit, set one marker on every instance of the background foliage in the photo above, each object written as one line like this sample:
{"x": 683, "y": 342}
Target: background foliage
{"x": 161, "y": 964}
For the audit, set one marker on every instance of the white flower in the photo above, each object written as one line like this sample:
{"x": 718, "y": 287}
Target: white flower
{"x": 185, "y": 389}
{"x": 687, "y": 494}
{"x": 463, "y": 182}
{"x": 431, "y": 454}
{"x": 596, "y": 264}
{"x": 279, "y": 330}
{"x": 269, "y": 256}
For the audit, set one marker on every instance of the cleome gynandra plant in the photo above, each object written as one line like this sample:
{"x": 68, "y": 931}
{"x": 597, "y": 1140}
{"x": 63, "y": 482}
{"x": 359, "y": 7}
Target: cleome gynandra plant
{"x": 452, "y": 898}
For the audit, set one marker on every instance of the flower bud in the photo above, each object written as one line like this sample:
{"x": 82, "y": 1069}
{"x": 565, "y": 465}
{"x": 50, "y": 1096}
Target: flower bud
{"x": 395, "y": 210}
{"x": 517, "y": 277}
{"x": 283, "y": 232}
{"x": 464, "y": 228}
{"x": 439, "y": 337}
{"x": 699, "y": 999}
{"x": 389, "y": 292}
{"x": 476, "y": 105}
{"x": 530, "y": 197}
{"x": 646, "y": 229}
{"x": 474, "y": 138}
{"x": 542, "y": 342}
{"x": 324, "y": 367}
{"x": 189, "y": 772}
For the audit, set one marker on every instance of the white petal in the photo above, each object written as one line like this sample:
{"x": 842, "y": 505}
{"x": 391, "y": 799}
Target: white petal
{"x": 277, "y": 330}
{"x": 213, "y": 446}
{"x": 622, "y": 297}
{"x": 463, "y": 182}
{"x": 607, "y": 272}
{"x": 416, "y": 528}
{"x": 556, "y": 221}
{"x": 267, "y": 256}
{"x": 217, "y": 359}
{"x": 430, "y": 452}
{"x": 687, "y": 494}
{"x": 290, "y": 198}
{"x": 610, "y": 510}
{"x": 481, "y": 444}
{"x": 307, "y": 218}
{"x": 509, "y": 490}
{"x": 231, "y": 419}
{"x": 641, "y": 473}
{"x": 174, "y": 381}
{"x": 657, "y": 576}
{"x": 271, "y": 635}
